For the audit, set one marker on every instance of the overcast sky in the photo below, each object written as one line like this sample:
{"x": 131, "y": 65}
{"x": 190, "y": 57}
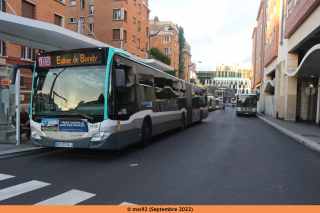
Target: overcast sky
{"x": 219, "y": 31}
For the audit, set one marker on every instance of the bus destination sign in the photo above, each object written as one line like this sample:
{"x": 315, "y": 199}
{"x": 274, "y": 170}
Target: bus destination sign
{"x": 70, "y": 59}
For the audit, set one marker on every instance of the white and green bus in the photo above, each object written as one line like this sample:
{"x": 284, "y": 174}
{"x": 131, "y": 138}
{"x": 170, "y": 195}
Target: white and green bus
{"x": 100, "y": 98}
{"x": 246, "y": 105}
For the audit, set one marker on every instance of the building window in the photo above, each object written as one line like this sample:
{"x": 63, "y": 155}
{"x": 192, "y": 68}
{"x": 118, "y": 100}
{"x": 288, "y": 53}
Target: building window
{"x": 148, "y": 13}
{"x": 72, "y": 20}
{"x": 134, "y": 2}
{"x": 133, "y": 38}
{"x": 116, "y": 14}
{"x": 166, "y": 39}
{"x": 27, "y": 53}
{"x": 28, "y": 10}
{"x": 139, "y": 25}
{"x": 125, "y": 35}
{"x": 134, "y": 19}
{"x": 57, "y": 20}
{"x": 2, "y": 48}
{"x": 147, "y": 46}
{"x": 147, "y": 29}
{"x": 82, "y": 5}
{"x": 90, "y": 28}
{"x": 167, "y": 51}
{"x": 289, "y": 7}
{"x": 125, "y": 15}
{"x": 82, "y": 19}
{"x": 138, "y": 43}
{"x": 2, "y": 2}
{"x": 139, "y": 8}
{"x": 73, "y": 2}
{"x": 91, "y": 10}
{"x": 116, "y": 34}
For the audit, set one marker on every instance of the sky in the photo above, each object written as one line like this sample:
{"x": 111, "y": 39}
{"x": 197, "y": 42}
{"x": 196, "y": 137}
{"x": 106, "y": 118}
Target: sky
{"x": 219, "y": 31}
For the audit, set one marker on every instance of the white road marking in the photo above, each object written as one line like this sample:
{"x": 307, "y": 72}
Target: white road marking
{"x": 69, "y": 198}
{"x": 21, "y": 189}
{"x": 127, "y": 204}
{"x": 3, "y": 176}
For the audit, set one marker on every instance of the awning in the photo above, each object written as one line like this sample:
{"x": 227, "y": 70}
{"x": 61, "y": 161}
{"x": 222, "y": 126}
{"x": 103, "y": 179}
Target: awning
{"x": 309, "y": 66}
{"x": 49, "y": 37}
{"x": 269, "y": 86}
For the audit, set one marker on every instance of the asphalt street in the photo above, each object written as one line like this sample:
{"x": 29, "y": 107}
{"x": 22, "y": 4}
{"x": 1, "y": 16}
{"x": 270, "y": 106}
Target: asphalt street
{"x": 224, "y": 160}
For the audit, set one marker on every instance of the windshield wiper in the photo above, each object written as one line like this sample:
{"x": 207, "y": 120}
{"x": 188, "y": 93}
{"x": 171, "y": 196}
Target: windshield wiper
{"x": 86, "y": 116}
{"x": 49, "y": 116}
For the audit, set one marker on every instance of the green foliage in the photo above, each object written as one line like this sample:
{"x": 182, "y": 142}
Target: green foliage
{"x": 157, "y": 54}
{"x": 173, "y": 73}
{"x": 182, "y": 40}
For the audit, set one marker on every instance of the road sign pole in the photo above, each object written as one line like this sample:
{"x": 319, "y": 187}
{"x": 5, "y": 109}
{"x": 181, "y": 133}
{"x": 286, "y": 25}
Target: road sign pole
{"x": 17, "y": 97}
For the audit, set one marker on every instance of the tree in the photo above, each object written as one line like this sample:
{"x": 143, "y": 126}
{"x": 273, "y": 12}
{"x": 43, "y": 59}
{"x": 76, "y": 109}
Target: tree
{"x": 157, "y": 54}
{"x": 182, "y": 40}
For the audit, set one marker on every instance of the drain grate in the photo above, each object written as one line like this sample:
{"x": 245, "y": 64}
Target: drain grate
{"x": 315, "y": 136}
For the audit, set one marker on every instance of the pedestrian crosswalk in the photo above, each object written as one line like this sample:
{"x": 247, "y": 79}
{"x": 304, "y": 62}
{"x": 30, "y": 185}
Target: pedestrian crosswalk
{"x": 71, "y": 197}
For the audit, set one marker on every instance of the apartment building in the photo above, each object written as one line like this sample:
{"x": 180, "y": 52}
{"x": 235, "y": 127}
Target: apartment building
{"x": 291, "y": 60}
{"x": 253, "y": 66}
{"x": 120, "y": 23}
{"x": 50, "y": 11}
{"x": 186, "y": 59}
{"x": 167, "y": 41}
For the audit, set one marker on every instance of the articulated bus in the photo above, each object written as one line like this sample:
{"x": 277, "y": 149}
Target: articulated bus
{"x": 101, "y": 98}
{"x": 246, "y": 105}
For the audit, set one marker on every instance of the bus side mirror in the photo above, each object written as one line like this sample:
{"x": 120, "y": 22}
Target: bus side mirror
{"x": 14, "y": 70}
{"x": 120, "y": 78}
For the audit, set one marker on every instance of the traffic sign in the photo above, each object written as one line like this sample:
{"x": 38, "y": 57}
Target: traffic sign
{"x": 310, "y": 90}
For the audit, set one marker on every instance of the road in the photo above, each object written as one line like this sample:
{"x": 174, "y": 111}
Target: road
{"x": 224, "y": 160}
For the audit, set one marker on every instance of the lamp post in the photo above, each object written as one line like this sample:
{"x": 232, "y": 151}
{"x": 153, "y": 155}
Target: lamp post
{"x": 192, "y": 65}
{"x": 152, "y": 35}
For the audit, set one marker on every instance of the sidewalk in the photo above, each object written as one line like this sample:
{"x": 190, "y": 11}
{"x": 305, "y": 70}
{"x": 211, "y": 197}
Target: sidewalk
{"x": 11, "y": 148}
{"x": 307, "y": 135}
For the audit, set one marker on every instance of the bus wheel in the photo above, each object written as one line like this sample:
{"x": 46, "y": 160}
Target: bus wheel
{"x": 200, "y": 121}
{"x": 183, "y": 123}
{"x": 144, "y": 135}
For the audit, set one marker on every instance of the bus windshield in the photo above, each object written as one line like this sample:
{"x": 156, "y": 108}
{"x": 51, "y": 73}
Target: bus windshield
{"x": 70, "y": 91}
{"x": 247, "y": 101}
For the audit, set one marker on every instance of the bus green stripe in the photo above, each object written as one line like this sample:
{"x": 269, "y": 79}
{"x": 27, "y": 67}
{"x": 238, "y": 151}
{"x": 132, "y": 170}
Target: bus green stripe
{"x": 109, "y": 60}
{"x": 34, "y": 71}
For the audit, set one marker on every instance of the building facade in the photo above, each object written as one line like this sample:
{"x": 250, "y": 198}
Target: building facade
{"x": 186, "y": 59}
{"x": 291, "y": 61}
{"x": 121, "y": 24}
{"x": 50, "y": 11}
{"x": 167, "y": 41}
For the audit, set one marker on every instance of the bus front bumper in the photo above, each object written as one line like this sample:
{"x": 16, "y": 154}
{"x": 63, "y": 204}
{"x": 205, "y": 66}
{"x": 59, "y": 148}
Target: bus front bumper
{"x": 246, "y": 113}
{"x": 84, "y": 143}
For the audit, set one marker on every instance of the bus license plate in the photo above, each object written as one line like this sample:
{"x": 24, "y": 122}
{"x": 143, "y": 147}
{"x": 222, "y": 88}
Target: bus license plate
{"x": 63, "y": 144}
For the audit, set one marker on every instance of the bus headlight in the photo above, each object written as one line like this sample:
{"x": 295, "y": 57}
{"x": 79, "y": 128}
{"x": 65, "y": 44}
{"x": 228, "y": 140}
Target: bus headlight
{"x": 100, "y": 136}
{"x": 254, "y": 109}
{"x": 238, "y": 109}
{"x": 35, "y": 135}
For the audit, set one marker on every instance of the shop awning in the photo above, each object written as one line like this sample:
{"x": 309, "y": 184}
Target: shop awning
{"x": 309, "y": 66}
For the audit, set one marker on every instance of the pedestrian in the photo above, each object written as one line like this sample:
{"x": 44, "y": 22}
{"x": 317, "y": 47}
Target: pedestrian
{"x": 24, "y": 121}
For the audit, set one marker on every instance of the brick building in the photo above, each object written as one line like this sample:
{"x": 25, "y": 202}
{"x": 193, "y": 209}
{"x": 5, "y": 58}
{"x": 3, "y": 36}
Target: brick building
{"x": 167, "y": 41}
{"x": 50, "y": 11}
{"x": 187, "y": 62}
{"x": 112, "y": 21}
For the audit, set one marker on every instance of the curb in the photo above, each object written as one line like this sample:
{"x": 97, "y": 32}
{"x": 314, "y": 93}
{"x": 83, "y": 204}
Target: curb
{"x": 305, "y": 141}
{"x": 21, "y": 151}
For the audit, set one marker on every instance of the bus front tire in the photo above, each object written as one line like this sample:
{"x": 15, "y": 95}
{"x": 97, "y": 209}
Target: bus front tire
{"x": 183, "y": 123}
{"x": 144, "y": 135}
{"x": 200, "y": 121}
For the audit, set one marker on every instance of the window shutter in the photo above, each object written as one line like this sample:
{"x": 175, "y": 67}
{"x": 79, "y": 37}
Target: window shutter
{"x": 22, "y": 52}
{"x": 4, "y": 48}
{"x": 57, "y": 20}
{"x": 33, "y": 54}
{"x": 116, "y": 34}
{"x": 28, "y": 10}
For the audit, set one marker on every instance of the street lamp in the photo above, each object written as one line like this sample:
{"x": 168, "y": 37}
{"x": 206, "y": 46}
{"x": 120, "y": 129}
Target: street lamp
{"x": 152, "y": 35}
